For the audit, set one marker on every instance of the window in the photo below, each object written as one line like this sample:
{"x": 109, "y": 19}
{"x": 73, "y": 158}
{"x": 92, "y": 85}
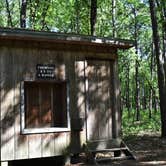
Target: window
{"x": 44, "y": 107}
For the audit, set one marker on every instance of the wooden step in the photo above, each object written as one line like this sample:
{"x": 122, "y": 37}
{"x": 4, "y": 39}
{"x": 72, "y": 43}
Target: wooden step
{"x": 122, "y": 153}
{"x": 129, "y": 156}
{"x": 108, "y": 150}
{"x": 113, "y": 158}
{"x": 113, "y": 154}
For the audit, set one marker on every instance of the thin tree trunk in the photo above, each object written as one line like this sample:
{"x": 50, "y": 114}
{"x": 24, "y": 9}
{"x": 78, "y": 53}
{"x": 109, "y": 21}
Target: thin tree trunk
{"x": 154, "y": 103}
{"x": 144, "y": 96}
{"x": 77, "y": 10}
{"x": 113, "y": 13}
{"x": 161, "y": 62}
{"x": 137, "y": 102}
{"x": 93, "y": 16}
{"x": 9, "y": 18}
{"x": 128, "y": 90}
{"x": 150, "y": 90}
{"x": 153, "y": 66}
{"x": 150, "y": 103}
{"x": 44, "y": 14}
{"x": 23, "y": 14}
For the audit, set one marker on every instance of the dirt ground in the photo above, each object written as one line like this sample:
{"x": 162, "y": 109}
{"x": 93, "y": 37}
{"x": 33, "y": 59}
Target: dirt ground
{"x": 149, "y": 150}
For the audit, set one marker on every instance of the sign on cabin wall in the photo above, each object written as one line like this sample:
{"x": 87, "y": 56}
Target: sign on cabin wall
{"x": 45, "y": 71}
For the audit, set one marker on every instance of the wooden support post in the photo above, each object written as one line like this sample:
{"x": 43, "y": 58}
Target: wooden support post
{"x": 67, "y": 161}
{"x": 116, "y": 105}
{"x": 5, "y": 163}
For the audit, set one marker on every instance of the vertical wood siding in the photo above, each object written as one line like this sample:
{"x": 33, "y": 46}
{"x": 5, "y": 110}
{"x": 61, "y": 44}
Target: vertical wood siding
{"x": 116, "y": 102}
{"x": 80, "y": 98}
{"x": 18, "y": 64}
{"x": 7, "y": 105}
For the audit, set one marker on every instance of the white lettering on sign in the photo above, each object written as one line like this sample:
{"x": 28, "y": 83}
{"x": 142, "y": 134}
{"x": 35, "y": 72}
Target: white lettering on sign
{"x": 45, "y": 71}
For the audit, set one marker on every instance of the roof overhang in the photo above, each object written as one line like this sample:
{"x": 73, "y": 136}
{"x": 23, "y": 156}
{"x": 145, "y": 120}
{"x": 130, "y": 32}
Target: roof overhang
{"x": 53, "y": 37}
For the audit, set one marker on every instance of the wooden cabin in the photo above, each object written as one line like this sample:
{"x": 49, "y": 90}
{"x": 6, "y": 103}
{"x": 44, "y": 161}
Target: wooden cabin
{"x": 59, "y": 93}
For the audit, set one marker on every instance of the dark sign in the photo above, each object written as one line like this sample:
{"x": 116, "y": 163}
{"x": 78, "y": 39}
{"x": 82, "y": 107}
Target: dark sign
{"x": 45, "y": 71}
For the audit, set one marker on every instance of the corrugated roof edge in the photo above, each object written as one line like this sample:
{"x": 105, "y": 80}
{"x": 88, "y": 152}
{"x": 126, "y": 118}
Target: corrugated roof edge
{"x": 44, "y": 35}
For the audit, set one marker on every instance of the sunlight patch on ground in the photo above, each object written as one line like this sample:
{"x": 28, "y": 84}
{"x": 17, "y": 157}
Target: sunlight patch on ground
{"x": 153, "y": 162}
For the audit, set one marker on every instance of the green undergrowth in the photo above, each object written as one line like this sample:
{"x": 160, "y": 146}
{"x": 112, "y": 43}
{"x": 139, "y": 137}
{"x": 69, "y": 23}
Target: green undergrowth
{"x": 131, "y": 127}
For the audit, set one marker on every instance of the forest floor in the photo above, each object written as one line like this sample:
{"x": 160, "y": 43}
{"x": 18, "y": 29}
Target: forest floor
{"x": 149, "y": 150}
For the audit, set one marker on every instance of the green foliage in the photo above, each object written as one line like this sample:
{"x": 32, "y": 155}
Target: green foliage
{"x": 131, "y": 21}
{"x": 2, "y": 14}
{"x": 145, "y": 125}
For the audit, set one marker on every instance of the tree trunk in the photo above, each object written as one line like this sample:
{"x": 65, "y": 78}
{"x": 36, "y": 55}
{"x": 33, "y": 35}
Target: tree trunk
{"x": 93, "y": 16}
{"x": 144, "y": 96}
{"x": 161, "y": 67}
{"x": 113, "y": 13}
{"x": 155, "y": 103}
{"x": 44, "y": 14}
{"x": 137, "y": 102}
{"x": 9, "y": 18}
{"x": 150, "y": 103}
{"x": 128, "y": 90}
{"x": 151, "y": 78}
{"x": 23, "y": 14}
{"x": 77, "y": 10}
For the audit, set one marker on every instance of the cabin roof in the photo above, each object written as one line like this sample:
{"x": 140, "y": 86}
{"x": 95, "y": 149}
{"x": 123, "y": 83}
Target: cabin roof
{"x": 43, "y": 36}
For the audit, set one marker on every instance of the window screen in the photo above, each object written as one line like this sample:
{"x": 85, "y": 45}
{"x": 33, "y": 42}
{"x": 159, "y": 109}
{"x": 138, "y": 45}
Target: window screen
{"x": 45, "y": 104}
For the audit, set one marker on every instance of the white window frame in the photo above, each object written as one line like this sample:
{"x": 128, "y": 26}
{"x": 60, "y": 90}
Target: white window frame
{"x": 25, "y": 130}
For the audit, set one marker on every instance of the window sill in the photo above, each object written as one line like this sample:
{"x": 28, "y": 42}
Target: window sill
{"x": 44, "y": 130}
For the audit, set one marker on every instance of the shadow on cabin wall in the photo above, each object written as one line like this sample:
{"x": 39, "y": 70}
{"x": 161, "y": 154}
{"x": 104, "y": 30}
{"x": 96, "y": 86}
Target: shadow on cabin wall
{"x": 99, "y": 102}
{"x": 10, "y": 102}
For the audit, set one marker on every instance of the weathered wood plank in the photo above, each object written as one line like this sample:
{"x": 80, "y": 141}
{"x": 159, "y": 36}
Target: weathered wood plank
{"x": 48, "y": 144}
{"x": 80, "y": 88}
{"x": 21, "y": 141}
{"x": 7, "y": 105}
{"x": 34, "y": 140}
{"x": 60, "y": 143}
{"x": 116, "y": 103}
{"x": 104, "y": 89}
{"x": 34, "y": 146}
{"x": 5, "y": 163}
{"x": 111, "y": 55}
{"x": 74, "y": 114}
{"x": 1, "y": 83}
{"x": 110, "y": 100}
{"x": 81, "y": 98}
{"x": 92, "y": 117}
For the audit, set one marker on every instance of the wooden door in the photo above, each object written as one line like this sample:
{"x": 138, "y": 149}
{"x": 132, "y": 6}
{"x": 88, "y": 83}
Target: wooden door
{"x": 98, "y": 100}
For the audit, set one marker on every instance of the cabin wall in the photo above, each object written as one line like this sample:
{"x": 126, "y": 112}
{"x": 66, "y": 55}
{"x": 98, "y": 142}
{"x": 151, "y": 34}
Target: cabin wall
{"x": 18, "y": 64}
